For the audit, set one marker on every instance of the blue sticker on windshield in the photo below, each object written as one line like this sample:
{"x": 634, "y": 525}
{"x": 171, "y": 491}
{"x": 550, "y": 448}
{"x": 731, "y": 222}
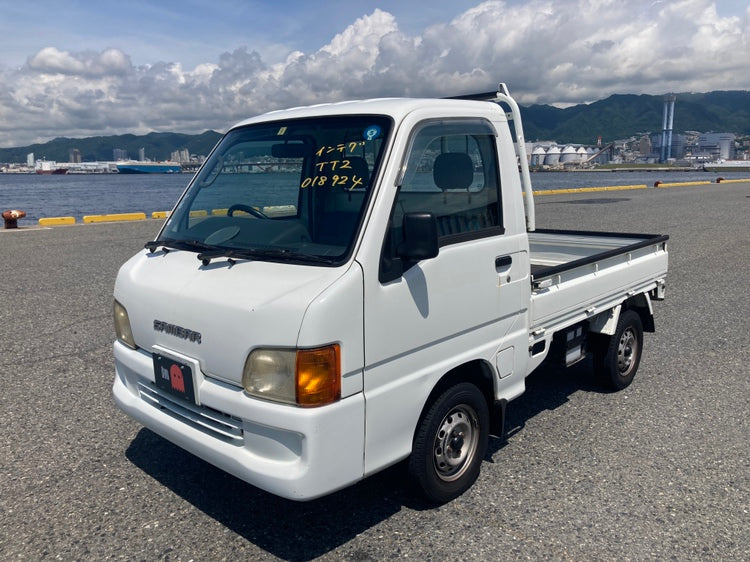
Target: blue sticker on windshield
{"x": 371, "y": 133}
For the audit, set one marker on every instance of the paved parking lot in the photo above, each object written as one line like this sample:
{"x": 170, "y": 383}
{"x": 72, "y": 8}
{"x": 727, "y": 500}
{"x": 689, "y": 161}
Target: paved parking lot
{"x": 660, "y": 470}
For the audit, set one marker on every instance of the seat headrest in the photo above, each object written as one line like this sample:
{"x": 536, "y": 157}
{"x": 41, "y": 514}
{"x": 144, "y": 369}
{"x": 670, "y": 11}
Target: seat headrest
{"x": 453, "y": 170}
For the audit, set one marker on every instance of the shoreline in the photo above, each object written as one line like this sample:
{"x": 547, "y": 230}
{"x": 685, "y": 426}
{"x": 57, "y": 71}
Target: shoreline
{"x": 49, "y": 222}
{"x": 646, "y": 168}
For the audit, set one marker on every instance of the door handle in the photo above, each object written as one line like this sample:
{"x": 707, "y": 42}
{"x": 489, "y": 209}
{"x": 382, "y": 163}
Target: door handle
{"x": 503, "y": 261}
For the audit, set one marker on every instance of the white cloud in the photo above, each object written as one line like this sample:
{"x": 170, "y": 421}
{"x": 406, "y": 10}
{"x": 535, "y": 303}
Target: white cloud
{"x": 53, "y": 61}
{"x": 547, "y": 51}
{"x": 50, "y": 60}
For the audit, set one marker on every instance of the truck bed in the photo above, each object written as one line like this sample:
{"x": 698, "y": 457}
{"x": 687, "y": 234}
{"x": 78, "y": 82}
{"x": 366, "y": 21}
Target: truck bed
{"x": 576, "y": 275}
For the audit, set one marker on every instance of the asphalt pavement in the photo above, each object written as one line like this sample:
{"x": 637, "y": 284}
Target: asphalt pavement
{"x": 658, "y": 471}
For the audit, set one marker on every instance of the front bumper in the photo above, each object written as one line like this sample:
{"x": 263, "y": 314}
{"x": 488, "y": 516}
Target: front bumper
{"x": 296, "y": 453}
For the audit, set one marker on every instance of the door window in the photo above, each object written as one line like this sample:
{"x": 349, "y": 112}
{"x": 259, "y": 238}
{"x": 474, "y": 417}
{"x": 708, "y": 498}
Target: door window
{"x": 450, "y": 171}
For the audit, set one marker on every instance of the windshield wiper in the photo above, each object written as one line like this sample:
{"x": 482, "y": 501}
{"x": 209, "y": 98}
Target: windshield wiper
{"x": 286, "y": 254}
{"x": 207, "y": 252}
{"x": 170, "y": 243}
{"x": 280, "y": 254}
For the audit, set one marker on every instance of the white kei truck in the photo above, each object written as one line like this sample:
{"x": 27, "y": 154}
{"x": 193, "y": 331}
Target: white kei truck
{"x": 345, "y": 286}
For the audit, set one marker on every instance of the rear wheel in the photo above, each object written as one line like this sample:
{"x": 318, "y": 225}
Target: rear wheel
{"x": 450, "y": 443}
{"x": 616, "y": 358}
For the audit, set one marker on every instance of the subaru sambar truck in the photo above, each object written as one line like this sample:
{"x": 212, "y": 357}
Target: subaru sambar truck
{"x": 345, "y": 286}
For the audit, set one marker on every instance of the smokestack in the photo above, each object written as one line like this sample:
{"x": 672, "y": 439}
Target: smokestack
{"x": 669, "y": 127}
{"x": 667, "y": 122}
{"x": 663, "y": 156}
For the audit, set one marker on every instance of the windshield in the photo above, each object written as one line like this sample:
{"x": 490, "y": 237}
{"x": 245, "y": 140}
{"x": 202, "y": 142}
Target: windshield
{"x": 283, "y": 191}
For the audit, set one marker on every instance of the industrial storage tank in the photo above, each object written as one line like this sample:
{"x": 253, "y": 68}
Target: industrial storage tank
{"x": 568, "y": 154}
{"x": 553, "y": 156}
{"x": 582, "y": 154}
{"x": 537, "y": 156}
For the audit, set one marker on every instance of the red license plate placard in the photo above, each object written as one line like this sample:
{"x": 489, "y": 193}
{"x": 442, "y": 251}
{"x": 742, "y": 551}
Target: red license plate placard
{"x": 174, "y": 377}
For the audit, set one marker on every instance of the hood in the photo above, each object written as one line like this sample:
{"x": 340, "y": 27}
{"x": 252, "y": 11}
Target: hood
{"x": 234, "y": 308}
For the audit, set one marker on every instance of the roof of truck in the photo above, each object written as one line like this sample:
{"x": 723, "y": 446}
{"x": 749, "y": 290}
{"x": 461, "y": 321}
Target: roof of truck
{"x": 397, "y": 108}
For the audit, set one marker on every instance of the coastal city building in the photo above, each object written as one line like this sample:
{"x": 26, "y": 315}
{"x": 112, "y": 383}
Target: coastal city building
{"x": 675, "y": 150}
{"x": 644, "y": 145}
{"x": 182, "y": 156}
{"x": 717, "y": 145}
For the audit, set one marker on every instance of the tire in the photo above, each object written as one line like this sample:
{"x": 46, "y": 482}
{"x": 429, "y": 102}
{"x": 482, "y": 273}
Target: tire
{"x": 450, "y": 443}
{"x": 616, "y": 358}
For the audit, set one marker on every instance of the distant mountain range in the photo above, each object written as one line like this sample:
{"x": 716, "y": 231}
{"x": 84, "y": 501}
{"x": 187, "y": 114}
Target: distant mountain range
{"x": 617, "y": 117}
{"x": 157, "y": 146}
{"x": 623, "y": 116}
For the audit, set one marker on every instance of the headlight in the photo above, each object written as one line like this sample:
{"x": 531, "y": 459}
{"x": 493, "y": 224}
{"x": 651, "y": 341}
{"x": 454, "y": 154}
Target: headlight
{"x": 305, "y": 377}
{"x": 269, "y": 373}
{"x": 122, "y": 325}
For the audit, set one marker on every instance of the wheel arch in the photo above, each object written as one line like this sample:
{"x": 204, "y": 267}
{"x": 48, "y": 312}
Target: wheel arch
{"x": 479, "y": 373}
{"x": 606, "y": 322}
{"x": 641, "y": 304}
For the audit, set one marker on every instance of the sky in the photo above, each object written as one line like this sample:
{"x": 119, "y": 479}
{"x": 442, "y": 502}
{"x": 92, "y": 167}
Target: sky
{"x": 88, "y": 68}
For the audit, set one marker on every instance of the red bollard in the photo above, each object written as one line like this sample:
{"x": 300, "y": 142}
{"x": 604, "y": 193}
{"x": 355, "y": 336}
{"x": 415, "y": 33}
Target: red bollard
{"x": 11, "y": 218}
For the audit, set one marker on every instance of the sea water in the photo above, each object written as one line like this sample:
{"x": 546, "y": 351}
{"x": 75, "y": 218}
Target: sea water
{"x": 94, "y": 194}
{"x": 76, "y": 195}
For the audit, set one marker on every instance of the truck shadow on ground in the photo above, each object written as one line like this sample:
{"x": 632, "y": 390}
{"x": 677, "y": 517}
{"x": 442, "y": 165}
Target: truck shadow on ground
{"x": 287, "y": 529}
{"x": 547, "y": 388}
{"x": 303, "y": 531}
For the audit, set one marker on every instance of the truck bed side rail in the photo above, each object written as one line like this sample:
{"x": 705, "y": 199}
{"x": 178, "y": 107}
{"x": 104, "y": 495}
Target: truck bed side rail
{"x": 639, "y": 241}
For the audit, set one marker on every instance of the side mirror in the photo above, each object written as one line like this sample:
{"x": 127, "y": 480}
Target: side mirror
{"x": 420, "y": 237}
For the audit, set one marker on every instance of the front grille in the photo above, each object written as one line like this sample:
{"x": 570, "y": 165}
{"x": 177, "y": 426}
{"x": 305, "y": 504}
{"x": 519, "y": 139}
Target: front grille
{"x": 220, "y": 425}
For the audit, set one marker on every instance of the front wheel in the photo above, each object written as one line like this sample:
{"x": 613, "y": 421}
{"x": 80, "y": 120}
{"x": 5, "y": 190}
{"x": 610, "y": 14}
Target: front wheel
{"x": 450, "y": 443}
{"x": 616, "y": 358}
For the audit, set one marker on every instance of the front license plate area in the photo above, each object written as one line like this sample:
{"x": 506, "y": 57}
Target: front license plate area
{"x": 174, "y": 378}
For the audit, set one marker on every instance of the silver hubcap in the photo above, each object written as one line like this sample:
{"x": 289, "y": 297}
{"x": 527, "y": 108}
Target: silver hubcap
{"x": 627, "y": 350}
{"x": 456, "y": 442}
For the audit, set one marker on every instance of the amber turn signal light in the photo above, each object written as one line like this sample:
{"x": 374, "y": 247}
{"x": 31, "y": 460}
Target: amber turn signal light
{"x": 318, "y": 375}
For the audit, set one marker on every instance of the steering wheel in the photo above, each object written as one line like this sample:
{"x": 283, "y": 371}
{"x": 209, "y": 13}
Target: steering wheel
{"x": 246, "y": 208}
